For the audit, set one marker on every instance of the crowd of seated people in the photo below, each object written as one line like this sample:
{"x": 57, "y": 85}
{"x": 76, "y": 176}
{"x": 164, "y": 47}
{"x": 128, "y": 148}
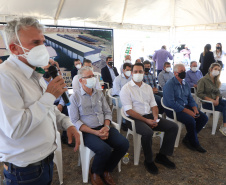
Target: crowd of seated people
{"x": 138, "y": 95}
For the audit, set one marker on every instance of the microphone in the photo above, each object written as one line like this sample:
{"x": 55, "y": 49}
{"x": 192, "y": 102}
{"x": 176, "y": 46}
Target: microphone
{"x": 54, "y": 73}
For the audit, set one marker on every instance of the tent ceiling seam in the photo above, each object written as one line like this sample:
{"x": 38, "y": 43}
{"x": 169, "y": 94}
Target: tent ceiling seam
{"x": 124, "y": 11}
{"x": 59, "y": 8}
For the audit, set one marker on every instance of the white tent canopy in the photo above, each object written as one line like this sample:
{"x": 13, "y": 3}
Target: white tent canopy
{"x": 118, "y": 13}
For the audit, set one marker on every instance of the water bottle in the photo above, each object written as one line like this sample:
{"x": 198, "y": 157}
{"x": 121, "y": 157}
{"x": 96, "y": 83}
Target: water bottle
{"x": 125, "y": 159}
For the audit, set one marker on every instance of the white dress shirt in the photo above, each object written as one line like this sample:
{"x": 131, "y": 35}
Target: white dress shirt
{"x": 76, "y": 85}
{"x": 118, "y": 83}
{"x": 140, "y": 99}
{"x": 28, "y": 117}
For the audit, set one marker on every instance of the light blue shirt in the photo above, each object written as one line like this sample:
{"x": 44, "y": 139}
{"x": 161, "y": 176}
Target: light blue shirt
{"x": 193, "y": 77}
{"x": 163, "y": 77}
{"x": 89, "y": 110}
{"x": 118, "y": 83}
{"x": 177, "y": 96}
{"x": 112, "y": 73}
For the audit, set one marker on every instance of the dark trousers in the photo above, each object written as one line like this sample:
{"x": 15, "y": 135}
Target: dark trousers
{"x": 158, "y": 97}
{"x": 221, "y": 108}
{"x": 193, "y": 125}
{"x": 169, "y": 128}
{"x": 108, "y": 152}
{"x": 33, "y": 175}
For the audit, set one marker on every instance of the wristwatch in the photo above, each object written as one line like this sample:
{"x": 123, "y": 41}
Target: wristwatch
{"x": 107, "y": 127}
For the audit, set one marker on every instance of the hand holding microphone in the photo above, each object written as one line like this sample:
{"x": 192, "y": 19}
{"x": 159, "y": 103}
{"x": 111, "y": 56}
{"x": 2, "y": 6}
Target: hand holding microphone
{"x": 57, "y": 86}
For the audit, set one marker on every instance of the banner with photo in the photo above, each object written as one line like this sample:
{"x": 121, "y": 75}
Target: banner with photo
{"x": 65, "y": 44}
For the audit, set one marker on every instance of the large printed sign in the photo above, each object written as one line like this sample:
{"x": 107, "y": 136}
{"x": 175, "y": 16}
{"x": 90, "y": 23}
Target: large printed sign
{"x": 65, "y": 44}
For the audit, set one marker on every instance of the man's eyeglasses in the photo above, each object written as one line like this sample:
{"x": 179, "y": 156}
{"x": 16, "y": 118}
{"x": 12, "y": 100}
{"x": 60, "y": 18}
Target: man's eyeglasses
{"x": 90, "y": 76}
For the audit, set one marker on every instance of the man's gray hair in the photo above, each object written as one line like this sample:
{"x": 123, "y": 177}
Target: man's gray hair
{"x": 81, "y": 71}
{"x": 18, "y": 24}
{"x": 175, "y": 68}
{"x": 192, "y": 62}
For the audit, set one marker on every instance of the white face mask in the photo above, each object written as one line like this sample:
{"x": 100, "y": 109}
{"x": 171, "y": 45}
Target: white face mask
{"x": 138, "y": 77}
{"x": 127, "y": 61}
{"x": 128, "y": 73}
{"x": 168, "y": 69}
{"x": 194, "y": 69}
{"x": 91, "y": 82}
{"x": 78, "y": 66}
{"x": 215, "y": 72}
{"x": 38, "y": 56}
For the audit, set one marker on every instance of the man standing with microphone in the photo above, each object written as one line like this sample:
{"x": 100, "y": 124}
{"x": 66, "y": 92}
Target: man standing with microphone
{"x": 28, "y": 119}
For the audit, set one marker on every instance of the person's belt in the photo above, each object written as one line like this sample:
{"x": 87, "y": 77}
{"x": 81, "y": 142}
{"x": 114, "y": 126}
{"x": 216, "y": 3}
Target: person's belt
{"x": 47, "y": 160}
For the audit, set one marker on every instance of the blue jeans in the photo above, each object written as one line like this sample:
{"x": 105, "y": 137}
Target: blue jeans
{"x": 221, "y": 108}
{"x": 34, "y": 175}
{"x": 193, "y": 125}
{"x": 108, "y": 152}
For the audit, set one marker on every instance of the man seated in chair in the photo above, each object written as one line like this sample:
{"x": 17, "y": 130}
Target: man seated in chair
{"x": 90, "y": 114}
{"x": 121, "y": 80}
{"x": 109, "y": 72}
{"x": 165, "y": 75}
{"x": 139, "y": 104}
{"x": 149, "y": 79}
{"x": 177, "y": 95}
{"x": 193, "y": 75}
{"x": 75, "y": 82}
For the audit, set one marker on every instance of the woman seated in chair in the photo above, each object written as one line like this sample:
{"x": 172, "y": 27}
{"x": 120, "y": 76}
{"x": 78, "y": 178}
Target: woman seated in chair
{"x": 209, "y": 89}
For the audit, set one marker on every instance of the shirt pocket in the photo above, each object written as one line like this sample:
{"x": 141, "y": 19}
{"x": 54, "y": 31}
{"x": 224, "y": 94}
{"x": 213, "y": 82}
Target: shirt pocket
{"x": 98, "y": 107}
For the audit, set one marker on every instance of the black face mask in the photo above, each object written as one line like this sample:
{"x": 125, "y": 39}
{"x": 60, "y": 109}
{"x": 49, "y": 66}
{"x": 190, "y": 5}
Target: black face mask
{"x": 218, "y": 47}
{"x": 46, "y": 75}
{"x": 146, "y": 70}
{"x": 182, "y": 75}
{"x": 110, "y": 63}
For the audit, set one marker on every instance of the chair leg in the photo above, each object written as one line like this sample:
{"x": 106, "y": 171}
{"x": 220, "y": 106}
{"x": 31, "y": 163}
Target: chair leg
{"x": 216, "y": 116}
{"x": 178, "y": 135}
{"x": 208, "y": 115}
{"x": 137, "y": 148}
{"x": 119, "y": 117}
{"x": 119, "y": 166}
{"x": 85, "y": 165}
{"x": 161, "y": 138}
{"x": 59, "y": 164}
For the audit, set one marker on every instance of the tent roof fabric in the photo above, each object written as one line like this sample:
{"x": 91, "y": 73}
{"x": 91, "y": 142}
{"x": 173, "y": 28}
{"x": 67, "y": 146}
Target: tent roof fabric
{"x": 173, "y": 13}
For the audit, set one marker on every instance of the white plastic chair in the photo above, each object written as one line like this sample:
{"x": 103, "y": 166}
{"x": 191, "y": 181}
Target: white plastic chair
{"x": 216, "y": 114}
{"x": 58, "y": 158}
{"x": 195, "y": 96}
{"x": 116, "y": 107}
{"x": 85, "y": 155}
{"x": 180, "y": 125}
{"x": 137, "y": 138}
